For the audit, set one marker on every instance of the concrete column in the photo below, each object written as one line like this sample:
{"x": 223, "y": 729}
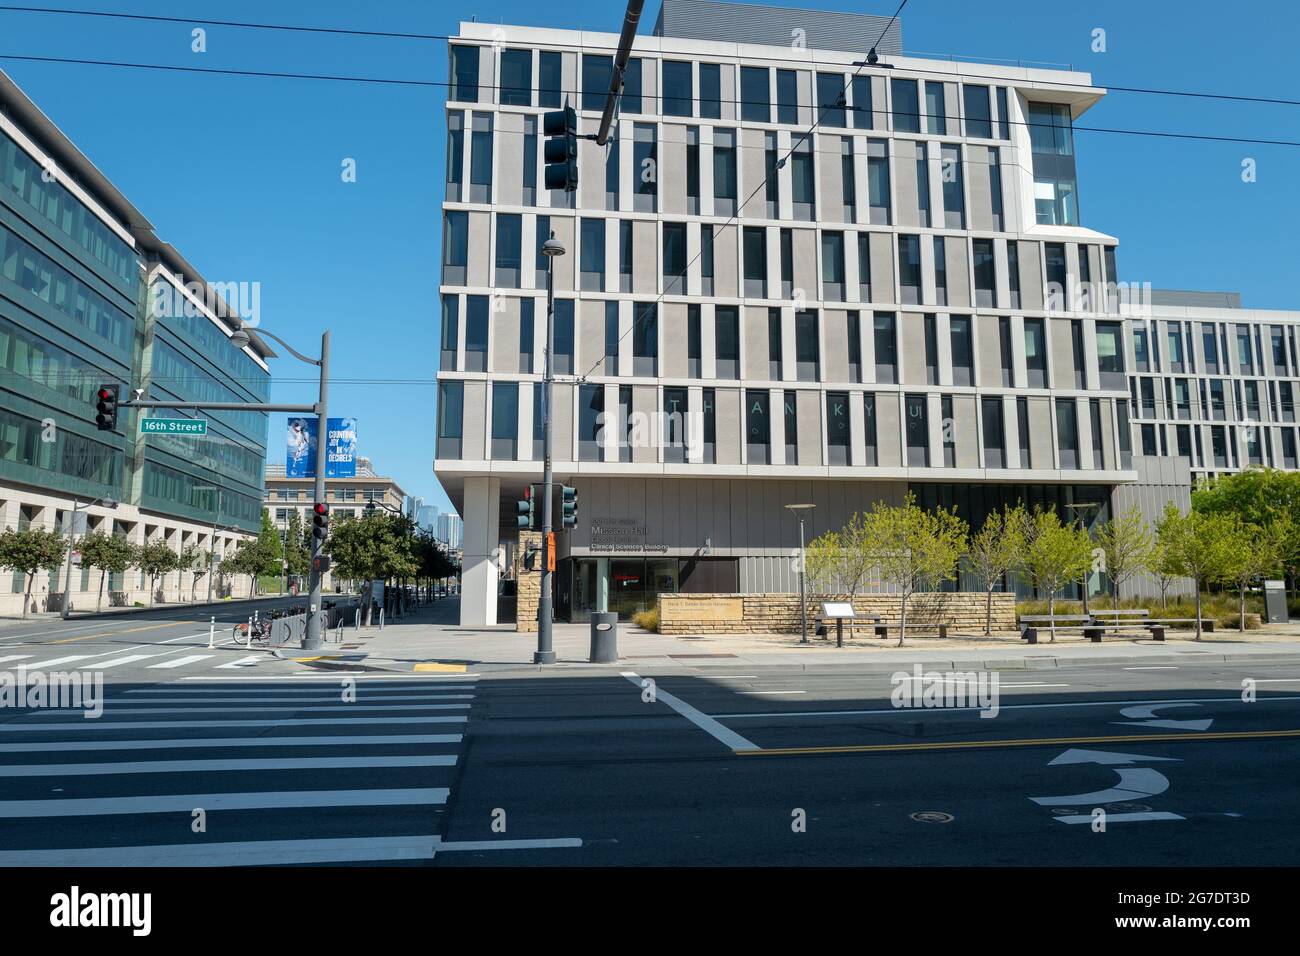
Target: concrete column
{"x": 602, "y": 584}
{"x": 478, "y": 600}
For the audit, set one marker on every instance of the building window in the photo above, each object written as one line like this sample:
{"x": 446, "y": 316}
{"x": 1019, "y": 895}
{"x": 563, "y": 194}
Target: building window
{"x": 450, "y": 331}
{"x": 979, "y": 120}
{"x": 530, "y": 161}
{"x": 1051, "y": 137}
{"x": 772, "y": 182}
{"x": 597, "y": 72}
{"x": 455, "y": 155}
{"x": 476, "y": 333}
{"x": 787, "y": 96}
{"x": 645, "y": 339}
{"x": 550, "y": 72}
{"x": 1004, "y": 350}
{"x": 591, "y": 422}
{"x": 541, "y": 263}
{"x": 1022, "y": 430}
{"x": 710, "y": 92}
{"x": 918, "y": 432}
{"x": 931, "y": 349}
{"x": 611, "y": 338}
{"x": 878, "y": 181}
{"x": 563, "y": 355}
{"x": 940, "y": 271}
{"x": 509, "y": 252}
{"x": 864, "y": 267}
{"x": 451, "y": 407}
{"x": 1004, "y": 119}
{"x": 774, "y": 345}
{"x": 516, "y": 78}
{"x": 505, "y": 420}
{"x": 1067, "y": 432}
{"x": 995, "y": 187}
{"x": 464, "y": 74}
{"x": 674, "y": 258}
{"x": 922, "y": 182}
{"x": 907, "y": 112}
{"x": 693, "y": 170}
{"x": 455, "y": 247}
{"x": 611, "y": 176}
{"x": 801, "y": 182}
{"x": 986, "y": 281}
{"x": 630, "y": 102}
{"x": 706, "y": 259}
{"x": 1013, "y": 271}
{"x": 936, "y": 123}
{"x": 1098, "y": 440}
{"x": 1110, "y": 355}
{"x": 909, "y": 268}
{"x": 1057, "y": 276}
{"x": 861, "y": 102}
{"x": 694, "y": 354}
{"x": 790, "y": 406}
{"x": 833, "y": 266}
{"x": 539, "y": 424}
{"x": 676, "y": 417}
{"x": 1035, "y": 353}
{"x": 592, "y": 255}
{"x": 754, "y": 240}
{"x": 625, "y": 423}
{"x": 726, "y": 322}
{"x": 625, "y": 255}
{"x": 644, "y": 167}
{"x": 527, "y": 307}
{"x": 807, "y": 348}
{"x": 679, "y": 88}
{"x": 838, "y": 446}
{"x": 787, "y": 263}
{"x": 755, "y": 94}
{"x": 830, "y": 100}
{"x": 758, "y": 427}
{"x": 848, "y": 180}
{"x": 855, "y": 346}
{"x": 994, "y": 440}
{"x": 963, "y": 361}
{"x": 886, "y": 347}
{"x": 480, "y": 158}
{"x": 948, "y": 437}
{"x": 954, "y": 201}
{"x": 724, "y": 172}
{"x": 709, "y": 414}
{"x": 869, "y": 428}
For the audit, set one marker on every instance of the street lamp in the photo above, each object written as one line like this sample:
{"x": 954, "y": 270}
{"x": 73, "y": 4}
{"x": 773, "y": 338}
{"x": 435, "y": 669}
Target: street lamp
{"x": 107, "y": 502}
{"x": 212, "y": 538}
{"x": 799, "y": 510}
{"x": 240, "y": 339}
{"x": 545, "y": 653}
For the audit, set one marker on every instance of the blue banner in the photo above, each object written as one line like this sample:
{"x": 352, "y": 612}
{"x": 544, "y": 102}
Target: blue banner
{"x": 340, "y": 448}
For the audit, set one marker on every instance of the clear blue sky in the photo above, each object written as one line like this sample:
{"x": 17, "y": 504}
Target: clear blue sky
{"x": 242, "y": 174}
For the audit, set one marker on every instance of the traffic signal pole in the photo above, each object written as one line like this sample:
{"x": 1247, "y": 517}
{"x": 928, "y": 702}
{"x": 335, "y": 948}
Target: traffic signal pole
{"x": 545, "y": 653}
{"x": 312, "y": 639}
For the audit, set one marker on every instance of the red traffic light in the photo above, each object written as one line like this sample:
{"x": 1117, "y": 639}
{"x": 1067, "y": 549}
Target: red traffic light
{"x": 320, "y": 508}
{"x": 106, "y": 394}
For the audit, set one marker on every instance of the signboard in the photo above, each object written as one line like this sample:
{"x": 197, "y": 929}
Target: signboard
{"x": 340, "y": 448}
{"x": 173, "y": 426}
{"x": 833, "y": 609}
{"x": 623, "y": 535}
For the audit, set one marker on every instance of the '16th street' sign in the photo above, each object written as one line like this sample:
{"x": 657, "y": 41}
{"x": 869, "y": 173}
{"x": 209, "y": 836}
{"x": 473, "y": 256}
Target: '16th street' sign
{"x": 173, "y": 426}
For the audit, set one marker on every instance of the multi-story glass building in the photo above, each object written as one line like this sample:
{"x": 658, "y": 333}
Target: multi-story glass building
{"x": 89, "y": 296}
{"x": 790, "y": 277}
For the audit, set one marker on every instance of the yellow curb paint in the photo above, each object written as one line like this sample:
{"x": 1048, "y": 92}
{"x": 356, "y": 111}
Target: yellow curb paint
{"x": 1030, "y": 742}
{"x": 440, "y": 668}
{"x": 321, "y": 657}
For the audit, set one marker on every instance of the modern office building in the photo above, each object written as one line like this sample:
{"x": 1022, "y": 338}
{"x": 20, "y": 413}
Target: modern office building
{"x": 449, "y": 529}
{"x": 1214, "y": 383}
{"x": 793, "y": 277}
{"x": 89, "y": 295}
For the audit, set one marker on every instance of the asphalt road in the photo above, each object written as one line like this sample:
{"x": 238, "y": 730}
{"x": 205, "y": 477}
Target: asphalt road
{"x": 717, "y": 766}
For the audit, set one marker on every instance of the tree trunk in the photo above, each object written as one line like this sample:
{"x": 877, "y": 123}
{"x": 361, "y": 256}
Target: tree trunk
{"x": 1197, "y": 583}
{"x": 988, "y": 612}
{"x": 1241, "y": 607}
{"x": 1051, "y": 614}
{"x": 152, "y": 579}
{"x": 902, "y": 621}
{"x": 27, "y": 596}
{"x": 99, "y": 602}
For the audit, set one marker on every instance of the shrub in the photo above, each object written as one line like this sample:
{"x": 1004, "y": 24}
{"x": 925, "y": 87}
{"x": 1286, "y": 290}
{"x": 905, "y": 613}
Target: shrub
{"x": 649, "y": 620}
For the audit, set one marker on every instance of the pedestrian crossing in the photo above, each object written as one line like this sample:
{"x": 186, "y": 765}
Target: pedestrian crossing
{"x": 157, "y": 658}
{"x": 235, "y": 773}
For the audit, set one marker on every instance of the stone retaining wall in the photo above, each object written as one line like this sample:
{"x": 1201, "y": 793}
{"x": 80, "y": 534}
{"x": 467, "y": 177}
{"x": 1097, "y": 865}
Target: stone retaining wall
{"x": 696, "y": 614}
{"x": 529, "y": 581}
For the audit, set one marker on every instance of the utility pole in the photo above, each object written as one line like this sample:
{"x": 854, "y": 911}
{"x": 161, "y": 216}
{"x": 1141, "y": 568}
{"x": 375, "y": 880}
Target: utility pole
{"x": 312, "y": 639}
{"x": 545, "y": 653}
{"x": 803, "y": 559}
{"x": 72, "y": 536}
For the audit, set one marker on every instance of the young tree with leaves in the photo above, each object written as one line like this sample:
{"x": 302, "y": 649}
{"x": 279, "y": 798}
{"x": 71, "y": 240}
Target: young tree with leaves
{"x": 1056, "y": 554}
{"x": 995, "y": 551}
{"x": 1260, "y": 553}
{"x": 913, "y": 548}
{"x": 296, "y": 552}
{"x": 110, "y": 554}
{"x": 378, "y": 547}
{"x": 30, "y": 551}
{"x": 1163, "y": 565}
{"x": 1202, "y": 546}
{"x": 1125, "y": 542}
{"x": 271, "y": 547}
{"x": 156, "y": 559}
{"x": 191, "y": 558}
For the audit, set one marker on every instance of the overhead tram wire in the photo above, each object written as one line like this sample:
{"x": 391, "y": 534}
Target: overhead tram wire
{"x": 440, "y": 37}
{"x": 732, "y": 219}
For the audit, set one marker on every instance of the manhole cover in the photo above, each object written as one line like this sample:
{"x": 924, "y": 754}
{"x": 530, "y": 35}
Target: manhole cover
{"x": 1064, "y": 811}
{"x": 932, "y": 816}
{"x": 1129, "y": 807}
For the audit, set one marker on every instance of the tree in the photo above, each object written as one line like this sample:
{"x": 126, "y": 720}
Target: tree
{"x": 1258, "y": 552}
{"x": 295, "y": 548}
{"x": 156, "y": 559}
{"x": 192, "y": 558}
{"x": 913, "y": 548}
{"x": 1201, "y": 546}
{"x": 29, "y": 551}
{"x": 378, "y": 547}
{"x": 110, "y": 553}
{"x": 994, "y": 552}
{"x": 1163, "y": 564}
{"x": 250, "y": 558}
{"x": 1257, "y": 496}
{"x": 1055, "y": 555}
{"x": 1125, "y": 541}
{"x": 272, "y": 548}
{"x": 841, "y": 562}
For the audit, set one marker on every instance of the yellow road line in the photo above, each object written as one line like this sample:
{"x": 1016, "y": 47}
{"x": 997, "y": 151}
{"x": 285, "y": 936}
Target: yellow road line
{"x": 1022, "y": 742}
{"x": 440, "y": 668}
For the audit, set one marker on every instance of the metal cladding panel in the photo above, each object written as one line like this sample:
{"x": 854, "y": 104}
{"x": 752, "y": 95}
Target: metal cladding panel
{"x": 505, "y": 336}
{"x": 956, "y": 251}
{"x": 777, "y": 26}
{"x": 676, "y": 339}
{"x": 808, "y": 411}
{"x": 755, "y": 356}
{"x": 836, "y": 353}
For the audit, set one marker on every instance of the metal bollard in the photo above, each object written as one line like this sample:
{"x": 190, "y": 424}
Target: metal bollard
{"x": 212, "y": 631}
{"x": 381, "y": 618}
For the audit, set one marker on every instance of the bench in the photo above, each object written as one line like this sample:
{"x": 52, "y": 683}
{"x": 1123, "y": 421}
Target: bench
{"x": 1030, "y": 624}
{"x": 882, "y": 630}
{"x": 821, "y": 625}
{"x": 1157, "y": 626}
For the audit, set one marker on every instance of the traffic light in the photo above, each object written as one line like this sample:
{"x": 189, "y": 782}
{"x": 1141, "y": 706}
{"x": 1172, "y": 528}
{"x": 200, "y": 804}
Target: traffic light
{"x": 106, "y": 407}
{"x": 561, "y": 149}
{"x": 320, "y": 522}
{"x": 568, "y": 506}
{"x": 526, "y": 509}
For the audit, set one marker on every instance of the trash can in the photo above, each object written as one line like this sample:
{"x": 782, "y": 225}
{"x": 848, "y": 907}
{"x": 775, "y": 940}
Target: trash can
{"x": 604, "y": 637}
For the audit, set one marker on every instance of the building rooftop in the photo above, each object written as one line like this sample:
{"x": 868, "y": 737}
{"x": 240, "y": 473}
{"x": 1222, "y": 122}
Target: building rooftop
{"x": 778, "y": 26}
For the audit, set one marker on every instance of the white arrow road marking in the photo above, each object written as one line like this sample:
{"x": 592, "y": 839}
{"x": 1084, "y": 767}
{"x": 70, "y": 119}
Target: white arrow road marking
{"x": 1103, "y": 757}
{"x": 1135, "y": 783}
{"x": 1145, "y": 716}
{"x": 1121, "y": 817}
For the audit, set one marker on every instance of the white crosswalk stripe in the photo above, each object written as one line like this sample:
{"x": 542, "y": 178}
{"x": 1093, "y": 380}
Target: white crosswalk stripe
{"x": 181, "y": 661}
{"x": 256, "y": 772}
{"x": 14, "y": 657}
{"x": 117, "y": 661}
{"x": 251, "y": 660}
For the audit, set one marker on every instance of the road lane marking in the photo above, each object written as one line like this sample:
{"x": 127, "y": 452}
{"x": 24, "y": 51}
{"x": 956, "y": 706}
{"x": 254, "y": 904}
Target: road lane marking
{"x": 186, "y": 802}
{"x": 129, "y": 630}
{"x": 300, "y": 708}
{"x": 911, "y": 712}
{"x": 194, "y": 743}
{"x": 251, "y": 853}
{"x": 1135, "y": 783}
{"x": 196, "y": 693}
{"x": 21, "y": 726}
{"x": 304, "y": 677}
{"x": 129, "y": 659}
{"x": 61, "y": 660}
{"x": 334, "y": 696}
{"x": 1022, "y": 742}
{"x": 430, "y": 667}
{"x": 222, "y": 765}
{"x": 249, "y": 661}
{"x": 15, "y": 657}
{"x": 724, "y": 735}
{"x": 181, "y": 661}
{"x": 456, "y": 846}
{"x": 1121, "y": 817}
{"x": 1153, "y": 667}
{"x": 760, "y": 692}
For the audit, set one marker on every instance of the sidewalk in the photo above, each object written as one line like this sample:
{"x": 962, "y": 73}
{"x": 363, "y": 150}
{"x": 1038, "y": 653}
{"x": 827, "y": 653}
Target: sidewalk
{"x": 37, "y": 617}
{"x": 432, "y": 636}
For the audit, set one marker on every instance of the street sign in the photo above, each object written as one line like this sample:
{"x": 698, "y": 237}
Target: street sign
{"x": 173, "y": 426}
